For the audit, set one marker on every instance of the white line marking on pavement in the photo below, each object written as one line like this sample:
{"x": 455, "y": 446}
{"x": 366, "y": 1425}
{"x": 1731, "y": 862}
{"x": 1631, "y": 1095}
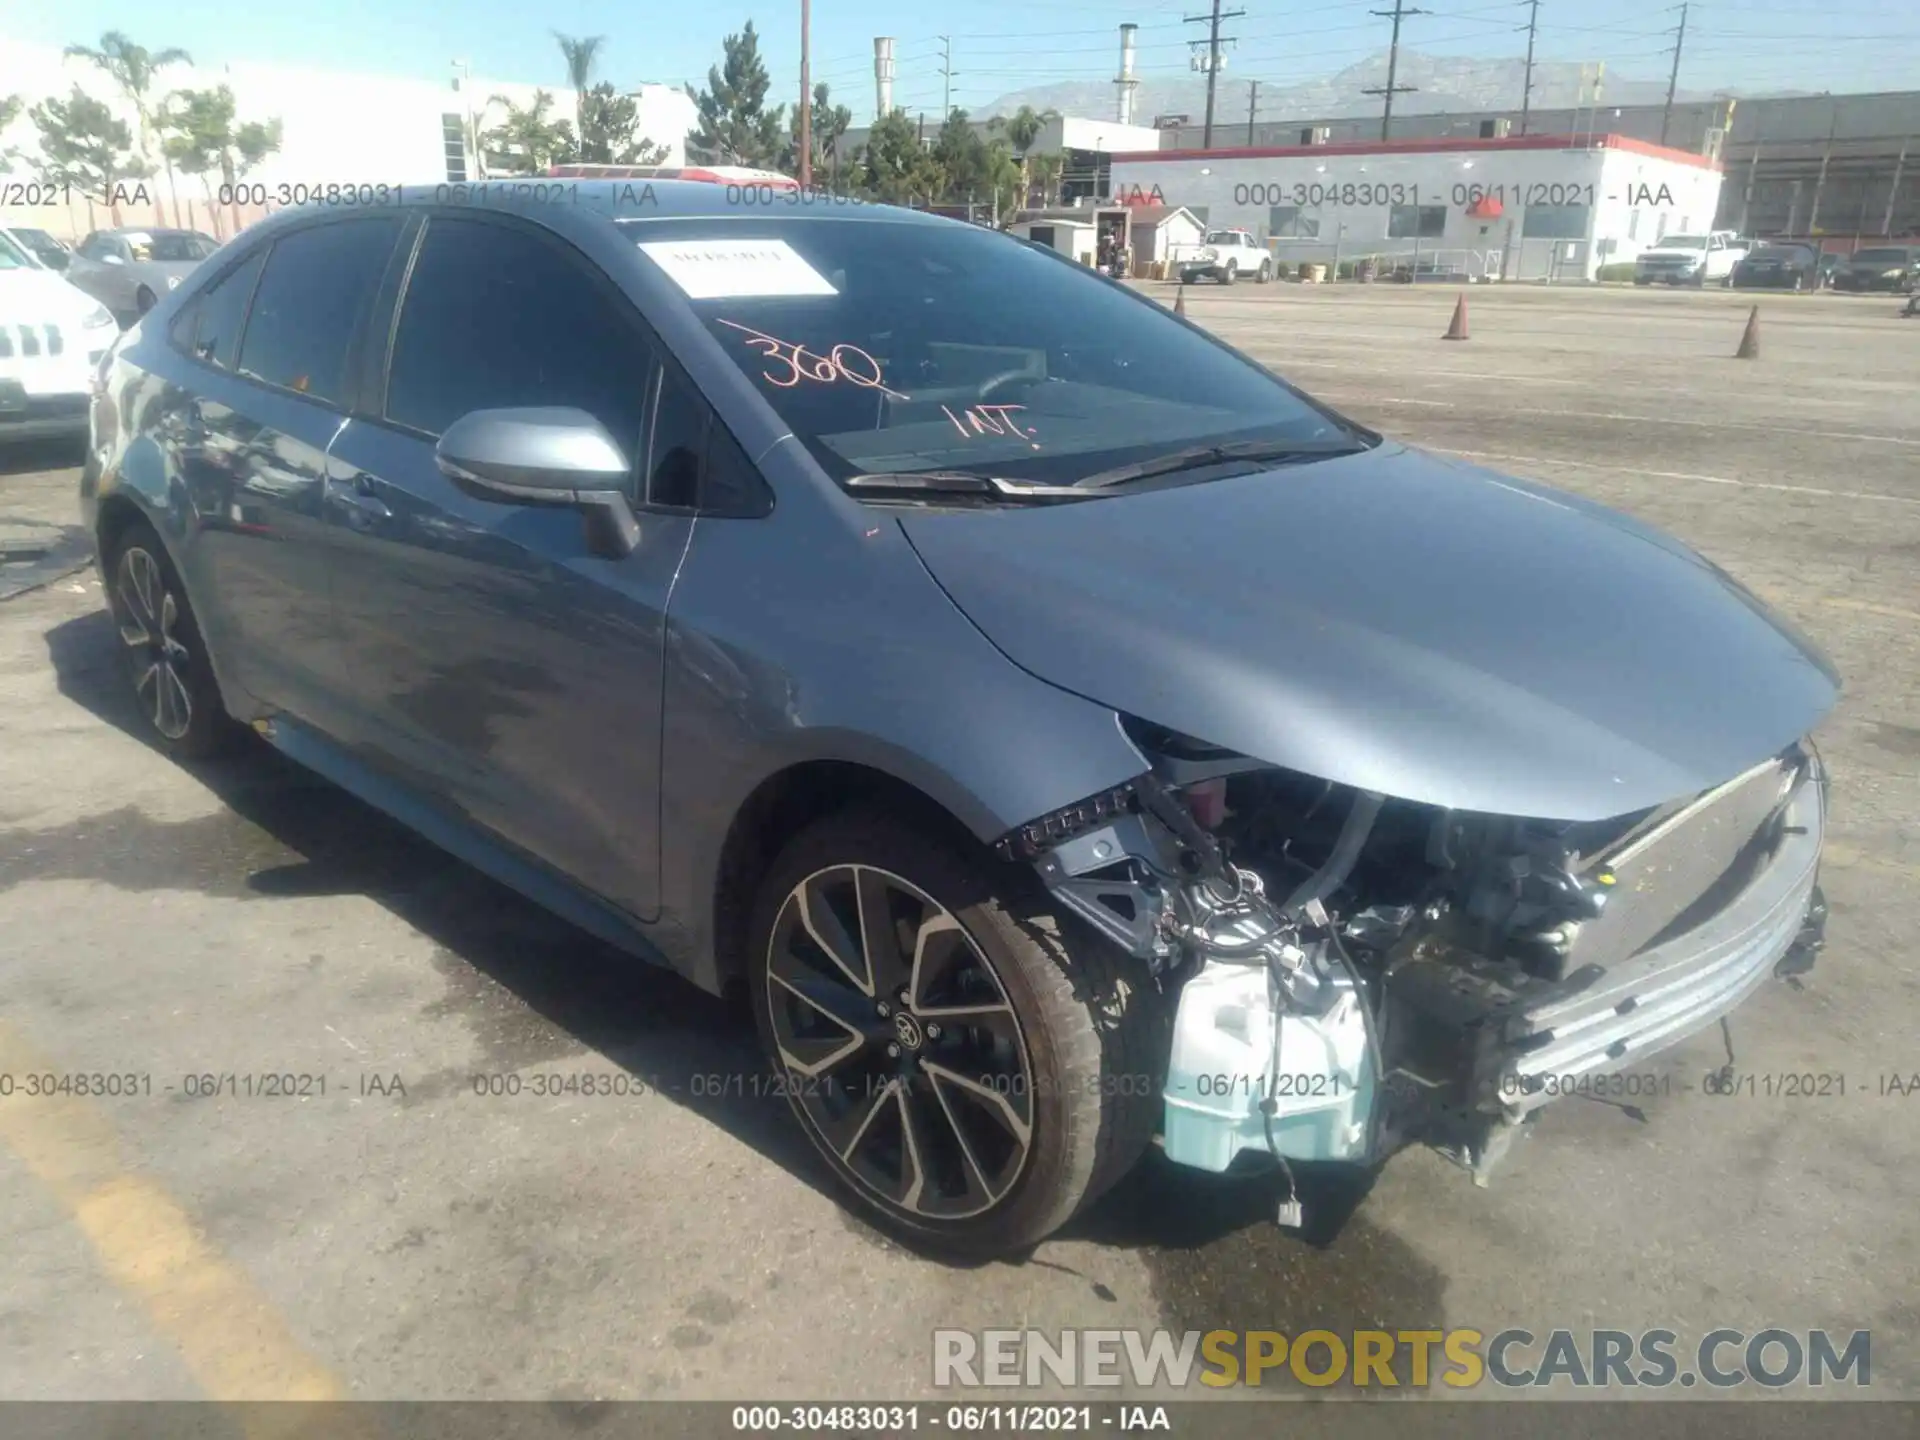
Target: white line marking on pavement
{"x": 1676, "y": 475}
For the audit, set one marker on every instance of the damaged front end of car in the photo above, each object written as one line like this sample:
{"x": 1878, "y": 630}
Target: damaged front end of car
{"x": 1356, "y": 973}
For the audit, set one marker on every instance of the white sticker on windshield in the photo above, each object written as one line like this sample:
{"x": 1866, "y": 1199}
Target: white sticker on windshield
{"x": 732, "y": 269}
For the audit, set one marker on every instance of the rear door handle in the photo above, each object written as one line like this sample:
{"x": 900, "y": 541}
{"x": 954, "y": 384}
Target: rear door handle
{"x": 363, "y": 506}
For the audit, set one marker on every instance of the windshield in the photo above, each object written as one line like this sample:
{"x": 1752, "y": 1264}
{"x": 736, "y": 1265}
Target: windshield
{"x": 1880, "y": 257}
{"x": 173, "y": 248}
{"x": 892, "y": 347}
{"x": 43, "y": 247}
{"x": 12, "y": 257}
{"x": 1684, "y": 242}
{"x": 1784, "y": 252}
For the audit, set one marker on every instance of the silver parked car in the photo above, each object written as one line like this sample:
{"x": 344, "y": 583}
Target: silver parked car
{"x": 128, "y": 270}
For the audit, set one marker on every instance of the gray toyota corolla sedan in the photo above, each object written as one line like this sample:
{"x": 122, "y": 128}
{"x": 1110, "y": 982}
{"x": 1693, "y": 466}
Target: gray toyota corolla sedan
{"x": 1064, "y": 732}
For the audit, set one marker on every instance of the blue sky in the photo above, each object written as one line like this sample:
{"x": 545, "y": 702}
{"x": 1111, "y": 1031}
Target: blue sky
{"x": 1003, "y": 45}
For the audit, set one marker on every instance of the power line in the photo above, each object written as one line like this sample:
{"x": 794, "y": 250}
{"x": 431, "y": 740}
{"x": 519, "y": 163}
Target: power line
{"x": 1389, "y": 90}
{"x": 1212, "y": 22}
{"x": 1673, "y": 76}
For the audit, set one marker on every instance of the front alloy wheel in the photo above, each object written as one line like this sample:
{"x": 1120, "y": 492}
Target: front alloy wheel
{"x": 912, "y": 1066}
{"x": 972, "y": 1070}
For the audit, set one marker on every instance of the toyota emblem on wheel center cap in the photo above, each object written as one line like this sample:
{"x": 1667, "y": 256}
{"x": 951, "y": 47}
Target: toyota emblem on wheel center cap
{"x": 908, "y": 1029}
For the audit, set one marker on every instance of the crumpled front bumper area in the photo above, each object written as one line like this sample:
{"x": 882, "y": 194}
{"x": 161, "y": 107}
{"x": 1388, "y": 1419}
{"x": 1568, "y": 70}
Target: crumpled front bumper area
{"x": 1472, "y": 1054}
{"x": 1671, "y": 991}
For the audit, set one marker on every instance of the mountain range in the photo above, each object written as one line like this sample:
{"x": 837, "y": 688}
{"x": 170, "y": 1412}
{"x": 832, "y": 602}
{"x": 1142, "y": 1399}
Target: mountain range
{"x": 1445, "y": 84}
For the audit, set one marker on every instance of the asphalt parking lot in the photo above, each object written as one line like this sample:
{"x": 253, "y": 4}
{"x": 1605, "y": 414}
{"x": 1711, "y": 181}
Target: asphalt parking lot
{"x": 401, "y": 1236}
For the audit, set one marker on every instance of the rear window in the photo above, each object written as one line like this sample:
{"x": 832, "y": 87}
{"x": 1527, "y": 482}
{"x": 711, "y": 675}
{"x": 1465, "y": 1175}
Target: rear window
{"x": 181, "y": 247}
{"x": 1784, "y": 252}
{"x": 1881, "y": 257}
{"x": 898, "y": 346}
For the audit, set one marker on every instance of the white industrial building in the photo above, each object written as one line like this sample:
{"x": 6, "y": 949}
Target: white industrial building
{"x": 1516, "y": 208}
{"x": 337, "y": 127}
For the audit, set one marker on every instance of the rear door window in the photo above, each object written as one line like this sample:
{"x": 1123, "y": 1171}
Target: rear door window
{"x": 317, "y": 289}
{"x": 210, "y": 330}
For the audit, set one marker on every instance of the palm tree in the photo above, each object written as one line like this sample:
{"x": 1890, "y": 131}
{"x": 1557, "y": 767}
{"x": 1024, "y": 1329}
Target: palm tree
{"x": 581, "y": 55}
{"x": 133, "y": 68}
{"x": 1023, "y": 127}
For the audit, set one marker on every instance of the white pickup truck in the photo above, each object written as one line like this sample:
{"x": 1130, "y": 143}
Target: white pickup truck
{"x": 1705, "y": 259}
{"x": 1226, "y": 255}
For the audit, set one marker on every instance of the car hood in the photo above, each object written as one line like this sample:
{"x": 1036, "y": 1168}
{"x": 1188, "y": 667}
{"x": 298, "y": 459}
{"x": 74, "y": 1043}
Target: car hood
{"x": 1667, "y": 253}
{"x": 1399, "y": 622}
{"x": 43, "y": 297}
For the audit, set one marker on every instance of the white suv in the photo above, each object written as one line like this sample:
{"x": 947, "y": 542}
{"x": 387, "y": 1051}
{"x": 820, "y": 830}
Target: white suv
{"x": 52, "y": 337}
{"x": 1225, "y": 256}
{"x": 1691, "y": 259}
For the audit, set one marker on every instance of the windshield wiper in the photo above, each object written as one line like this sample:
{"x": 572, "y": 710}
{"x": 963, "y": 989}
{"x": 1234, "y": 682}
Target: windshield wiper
{"x": 1200, "y": 456}
{"x": 960, "y": 482}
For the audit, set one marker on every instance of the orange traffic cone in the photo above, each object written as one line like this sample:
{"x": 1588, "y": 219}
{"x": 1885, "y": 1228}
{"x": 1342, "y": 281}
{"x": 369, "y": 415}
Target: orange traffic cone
{"x": 1180, "y": 299}
{"x": 1750, "y": 338}
{"x": 1458, "y": 329}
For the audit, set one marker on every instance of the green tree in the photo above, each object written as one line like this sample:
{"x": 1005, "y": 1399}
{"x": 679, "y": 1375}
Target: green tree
{"x": 526, "y": 141}
{"x": 83, "y": 145}
{"x": 1044, "y": 173}
{"x": 610, "y": 130}
{"x": 10, "y": 108}
{"x": 134, "y": 68}
{"x": 830, "y": 123}
{"x": 735, "y": 127}
{"x": 200, "y": 136}
{"x": 1022, "y": 128}
{"x": 893, "y": 166}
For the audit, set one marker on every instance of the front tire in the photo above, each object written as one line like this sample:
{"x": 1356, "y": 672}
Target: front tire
{"x": 972, "y": 1071}
{"x": 1232, "y": 273}
{"x": 144, "y": 300}
{"x": 162, "y": 650}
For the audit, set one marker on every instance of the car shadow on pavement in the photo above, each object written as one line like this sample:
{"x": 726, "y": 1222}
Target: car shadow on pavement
{"x": 287, "y": 833}
{"x": 291, "y": 834}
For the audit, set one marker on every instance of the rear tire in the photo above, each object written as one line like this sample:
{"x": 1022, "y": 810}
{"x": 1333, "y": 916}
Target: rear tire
{"x": 162, "y": 650}
{"x": 981, "y": 1138}
{"x": 1266, "y": 272}
{"x": 1231, "y": 274}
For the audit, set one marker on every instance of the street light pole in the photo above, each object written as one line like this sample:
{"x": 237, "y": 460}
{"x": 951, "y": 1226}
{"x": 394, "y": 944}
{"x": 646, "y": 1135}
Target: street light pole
{"x": 806, "y": 99}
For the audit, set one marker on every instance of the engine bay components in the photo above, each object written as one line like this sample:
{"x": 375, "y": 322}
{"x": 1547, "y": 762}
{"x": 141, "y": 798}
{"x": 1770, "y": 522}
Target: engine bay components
{"x": 1355, "y": 973}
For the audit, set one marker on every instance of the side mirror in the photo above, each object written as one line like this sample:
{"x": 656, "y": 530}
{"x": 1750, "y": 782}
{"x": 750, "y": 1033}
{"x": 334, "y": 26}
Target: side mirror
{"x": 549, "y": 456}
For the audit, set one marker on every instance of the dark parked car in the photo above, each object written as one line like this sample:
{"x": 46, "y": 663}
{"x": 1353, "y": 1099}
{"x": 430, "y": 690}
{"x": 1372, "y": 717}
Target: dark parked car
{"x": 1882, "y": 267}
{"x": 1045, "y": 715}
{"x": 1783, "y": 267}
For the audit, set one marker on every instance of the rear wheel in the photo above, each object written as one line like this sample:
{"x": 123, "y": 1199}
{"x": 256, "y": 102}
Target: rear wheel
{"x": 1231, "y": 274}
{"x": 162, "y": 650}
{"x": 1266, "y": 272}
{"x": 971, "y": 1071}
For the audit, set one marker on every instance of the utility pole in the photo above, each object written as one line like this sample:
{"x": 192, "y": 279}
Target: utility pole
{"x": 1397, "y": 14}
{"x": 1253, "y": 103}
{"x": 1893, "y": 192}
{"x": 1526, "y": 91}
{"x": 806, "y": 99}
{"x": 1212, "y": 22}
{"x": 946, "y": 74}
{"x": 1673, "y": 76}
{"x": 1826, "y": 159}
